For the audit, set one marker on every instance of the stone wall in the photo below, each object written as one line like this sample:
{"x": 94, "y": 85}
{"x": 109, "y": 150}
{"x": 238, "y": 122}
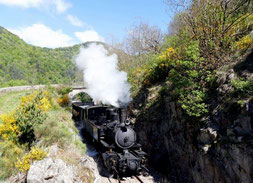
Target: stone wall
{"x": 23, "y": 88}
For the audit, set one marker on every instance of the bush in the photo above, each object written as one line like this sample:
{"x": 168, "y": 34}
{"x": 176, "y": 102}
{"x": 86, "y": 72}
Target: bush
{"x": 36, "y": 153}
{"x": 84, "y": 97}
{"x": 193, "y": 103}
{"x": 64, "y": 90}
{"x": 63, "y": 100}
{"x": 30, "y": 113}
{"x": 242, "y": 87}
{"x": 9, "y": 152}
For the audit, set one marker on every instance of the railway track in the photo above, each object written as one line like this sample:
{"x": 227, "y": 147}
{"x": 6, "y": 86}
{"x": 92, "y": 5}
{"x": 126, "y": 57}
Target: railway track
{"x": 133, "y": 179}
{"x": 138, "y": 178}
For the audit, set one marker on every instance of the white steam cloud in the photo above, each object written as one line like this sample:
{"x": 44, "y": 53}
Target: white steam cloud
{"x": 104, "y": 82}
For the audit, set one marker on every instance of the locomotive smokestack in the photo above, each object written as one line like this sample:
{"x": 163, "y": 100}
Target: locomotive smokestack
{"x": 122, "y": 115}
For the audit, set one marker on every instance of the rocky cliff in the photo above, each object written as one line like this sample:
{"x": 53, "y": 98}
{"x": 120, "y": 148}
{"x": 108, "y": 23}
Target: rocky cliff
{"x": 215, "y": 148}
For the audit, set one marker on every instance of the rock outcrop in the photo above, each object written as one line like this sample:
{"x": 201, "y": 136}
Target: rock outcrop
{"x": 52, "y": 170}
{"x": 217, "y": 148}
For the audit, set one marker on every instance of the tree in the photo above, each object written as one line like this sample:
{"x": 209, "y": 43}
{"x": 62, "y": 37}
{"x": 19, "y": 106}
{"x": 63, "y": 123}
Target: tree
{"x": 143, "y": 38}
{"x": 215, "y": 24}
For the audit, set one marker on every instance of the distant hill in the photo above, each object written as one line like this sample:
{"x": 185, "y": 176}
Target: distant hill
{"x": 24, "y": 64}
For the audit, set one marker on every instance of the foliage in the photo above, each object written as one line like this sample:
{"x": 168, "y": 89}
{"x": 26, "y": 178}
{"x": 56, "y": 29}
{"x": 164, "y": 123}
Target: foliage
{"x": 84, "y": 97}
{"x": 9, "y": 152}
{"x": 36, "y": 153}
{"x": 245, "y": 43}
{"x": 242, "y": 86}
{"x": 181, "y": 67}
{"x": 63, "y": 100}
{"x": 57, "y": 127}
{"x": 64, "y": 90}
{"x": 31, "y": 112}
{"x": 194, "y": 103}
{"x": 217, "y": 25}
{"x": 9, "y": 129}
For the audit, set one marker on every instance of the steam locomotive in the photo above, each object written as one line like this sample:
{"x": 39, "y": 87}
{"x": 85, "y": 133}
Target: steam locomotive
{"x": 109, "y": 127}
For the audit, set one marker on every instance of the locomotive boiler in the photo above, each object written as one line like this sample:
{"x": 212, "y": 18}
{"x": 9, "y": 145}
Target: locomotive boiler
{"x": 109, "y": 127}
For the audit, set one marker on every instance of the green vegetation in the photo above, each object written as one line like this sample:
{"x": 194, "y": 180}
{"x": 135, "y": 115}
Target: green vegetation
{"x": 83, "y": 97}
{"x": 37, "y": 118}
{"x": 204, "y": 36}
{"x": 24, "y": 64}
{"x": 242, "y": 86}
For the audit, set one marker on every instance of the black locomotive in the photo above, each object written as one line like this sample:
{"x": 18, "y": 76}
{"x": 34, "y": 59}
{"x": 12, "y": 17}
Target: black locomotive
{"x": 109, "y": 127}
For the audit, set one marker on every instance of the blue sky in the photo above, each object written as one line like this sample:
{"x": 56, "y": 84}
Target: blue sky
{"x": 56, "y": 23}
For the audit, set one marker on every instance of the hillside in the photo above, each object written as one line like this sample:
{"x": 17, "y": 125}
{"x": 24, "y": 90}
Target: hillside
{"x": 21, "y": 63}
{"x": 193, "y": 102}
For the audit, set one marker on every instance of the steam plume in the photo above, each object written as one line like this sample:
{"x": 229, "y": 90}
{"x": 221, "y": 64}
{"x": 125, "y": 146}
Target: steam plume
{"x": 104, "y": 82}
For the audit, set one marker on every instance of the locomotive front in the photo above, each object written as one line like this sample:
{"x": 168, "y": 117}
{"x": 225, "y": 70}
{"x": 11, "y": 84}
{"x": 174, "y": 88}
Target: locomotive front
{"x": 127, "y": 157}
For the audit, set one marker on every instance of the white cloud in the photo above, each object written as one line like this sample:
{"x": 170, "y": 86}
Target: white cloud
{"x": 60, "y": 5}
{"x": 23, "y": 3}
{"x": 89, "y": 35}
{"x": 41, "y": 35}
{"x": 75, "y": 21}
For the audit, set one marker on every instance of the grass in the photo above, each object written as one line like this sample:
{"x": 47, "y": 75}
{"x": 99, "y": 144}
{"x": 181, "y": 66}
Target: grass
{"x": 10, "y": 100}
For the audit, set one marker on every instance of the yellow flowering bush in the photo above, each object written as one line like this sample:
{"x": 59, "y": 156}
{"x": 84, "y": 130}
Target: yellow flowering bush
{"x": 8, "y": 128}
{"x": 36, "y": 153}
{"x": 167, "y": 54}
{"x": 158, "y": 69}
{"x": 245, "y": 43}
{"x": 154, "y": 70}
{"x": 19, "y": 125}
{"x": 31, "y": 113}
{"x": 63, "y": 101}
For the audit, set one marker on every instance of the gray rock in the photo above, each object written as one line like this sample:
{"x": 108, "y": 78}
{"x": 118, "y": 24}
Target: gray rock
{"x": 207, "y": 135}
{"x": 49, "y": 170}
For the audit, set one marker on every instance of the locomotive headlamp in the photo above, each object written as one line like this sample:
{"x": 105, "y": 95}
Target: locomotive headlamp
{"x": 127, "y": 122}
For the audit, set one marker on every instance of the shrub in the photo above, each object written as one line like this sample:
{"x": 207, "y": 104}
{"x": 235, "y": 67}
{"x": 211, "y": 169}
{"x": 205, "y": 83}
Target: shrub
{"x": 64, "y": 90}
{"x": 242, "y": 87}
{"x": 84, "y": 97}
{"x": 63, "y": 100}
{"x": 36, "y": 153}
{"x": 9, "y": 129}
{"x": 245, "y": 43}
{"x": 30, "y": 113}
{"x": 193, "y": 103}
{"x": 9, "y": 152}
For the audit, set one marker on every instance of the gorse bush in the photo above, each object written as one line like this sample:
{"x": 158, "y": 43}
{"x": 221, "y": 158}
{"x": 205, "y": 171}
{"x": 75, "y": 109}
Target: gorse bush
{"x": 17, "y": 129}
{"x": 30, "y": 113}
{"x": 36, "y": 153}
{"x": 63, "y": 100}
{"x": 9, "y": 129}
